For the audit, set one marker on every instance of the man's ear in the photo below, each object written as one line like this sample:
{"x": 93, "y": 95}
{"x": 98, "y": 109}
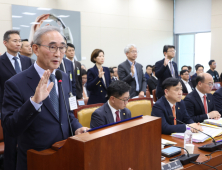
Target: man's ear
{"x": 35, "y": 49}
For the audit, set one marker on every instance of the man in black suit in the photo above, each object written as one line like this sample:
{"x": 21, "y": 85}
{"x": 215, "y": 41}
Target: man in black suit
{"x": 199, "y": 69}
{"x": 212, "y": 70}
{"x": 115, "y": 74}
{"x": 70, "y": 53}
{"x": 187, "y": 86}
{"x": 114, "y": 109}
{"x": 165, "y": 68}
{"x": 152, "y": 81}
{"x": 11, "y": 63}
{"x": 199, "y": 103}
{"x": 132, "y": 72}
{"x": 26, "y": 49}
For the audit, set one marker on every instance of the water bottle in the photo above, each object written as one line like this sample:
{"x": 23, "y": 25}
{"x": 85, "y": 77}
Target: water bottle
{"x": 188, "y": 135}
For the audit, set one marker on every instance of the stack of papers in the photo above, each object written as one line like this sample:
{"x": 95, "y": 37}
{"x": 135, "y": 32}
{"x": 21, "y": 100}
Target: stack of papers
{"x": 200, "y": 137}
{"x": 214, "y": 122}
{"x": 167, "y": 142}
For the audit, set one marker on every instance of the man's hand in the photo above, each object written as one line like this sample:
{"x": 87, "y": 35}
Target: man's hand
{"x": 166, "y": 61}
{"x": 132, "y": 69}
{"x": 81, "y": 130}
{"x": 141, "y": 94}
{"x": 196, "y": 126}
{"x": 42, "y": 91}
{"x": 101, "y": 72}
{"x": 214, "y": 115}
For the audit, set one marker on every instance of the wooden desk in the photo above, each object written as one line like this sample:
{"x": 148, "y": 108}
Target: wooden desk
{"x": 216, "y": 160}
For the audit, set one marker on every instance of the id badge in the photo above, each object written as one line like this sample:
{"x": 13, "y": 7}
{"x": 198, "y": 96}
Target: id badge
{"x": 72, "y": 103}
{"x": 70, "y": 76}
{"x": 78, "y": 71}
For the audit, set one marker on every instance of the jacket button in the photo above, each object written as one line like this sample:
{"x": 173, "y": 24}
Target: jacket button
{"x": 101, "y": 91}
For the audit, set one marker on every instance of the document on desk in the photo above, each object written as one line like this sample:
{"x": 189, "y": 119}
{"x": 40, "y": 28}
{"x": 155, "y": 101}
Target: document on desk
{"x": 200, "y": 137}
{"x": 214, "y": 122}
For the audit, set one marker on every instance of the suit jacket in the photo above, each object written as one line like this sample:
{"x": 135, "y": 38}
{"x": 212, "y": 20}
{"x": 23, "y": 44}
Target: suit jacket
{"x": 152, "y": 83}
{"x": 96, "y": 85}
{"x": 217, "y": 96}
{"x": 103, "y": 116}
{"x": 78, "y": 78}
{"x": 162, "y": 109}
{"x": 124, "y": 70}
{"x": 195, "y": 107}
{"x": 163, "y": 73}
{"x": 185, "y": 88}
{"x": 7, "y": 71}
{"x": 35, "y": 129}
{"x": 69, "y": 70}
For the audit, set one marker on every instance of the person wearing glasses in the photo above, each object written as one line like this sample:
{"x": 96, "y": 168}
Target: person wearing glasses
{"x": 33, "y": 108}
{"x": 212, "y": 70}
{"x": 186, "y": 84}
{"x": 98, "y": 79}
{"x": 199, "y": 103}
{"x": 114, "y": 110}
{"x": 165, "y": 68}
{"x": 131, "y": 72}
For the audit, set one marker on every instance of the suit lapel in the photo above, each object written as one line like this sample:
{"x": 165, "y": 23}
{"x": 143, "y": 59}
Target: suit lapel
{"x": 8, "y": 64}
{"x": 106, "y": 79}
{"x": 33, "y": 80}
{"x": 208, "y": 103}
{"x": 168, "y": 109}
{"x": 128, "y": 66}
{"x": 22, "y": 62}
{"x": 109, "y": 114}
{"x": 197, "y": 97}
{"x": 137, "y": 71}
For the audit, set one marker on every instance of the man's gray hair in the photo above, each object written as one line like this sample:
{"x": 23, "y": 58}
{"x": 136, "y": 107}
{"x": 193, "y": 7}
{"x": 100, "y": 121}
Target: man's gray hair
{"x": 41, "y": 31}
{"x": 127, "y": 48}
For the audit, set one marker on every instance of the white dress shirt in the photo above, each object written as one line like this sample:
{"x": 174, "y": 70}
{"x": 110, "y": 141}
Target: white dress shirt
{"x": 189, "y": 89}
{"x": 202, "y": 99}
{"x": 171, "y": 106}
{"x": 40, "y": 72}
{"x": 10, "y": 57}
{"x": 114, "y": 112}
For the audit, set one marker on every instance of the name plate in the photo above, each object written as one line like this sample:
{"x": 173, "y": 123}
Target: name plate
{"x": 175, "y": 165}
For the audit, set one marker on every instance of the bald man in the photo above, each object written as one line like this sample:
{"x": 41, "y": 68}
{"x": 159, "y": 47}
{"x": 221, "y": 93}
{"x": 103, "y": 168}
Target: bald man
{"x": 199, "y": 103}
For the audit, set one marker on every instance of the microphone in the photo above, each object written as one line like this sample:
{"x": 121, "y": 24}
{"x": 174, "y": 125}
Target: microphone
{"x": 185, "y": 159}
{"x": 208, "y": 147}
{"x": 58, "y": 75}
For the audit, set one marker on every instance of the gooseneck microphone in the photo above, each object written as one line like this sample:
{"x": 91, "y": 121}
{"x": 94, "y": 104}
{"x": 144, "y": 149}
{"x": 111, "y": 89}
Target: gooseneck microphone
{"x": 59, "y": 78}
{"x": 209, "y": 147}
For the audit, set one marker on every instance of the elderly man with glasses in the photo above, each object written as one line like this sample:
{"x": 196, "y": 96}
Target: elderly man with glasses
{"x": 114, "y": 109}
{"x": 199, "y": 103}
{"x": 33, "y": 107}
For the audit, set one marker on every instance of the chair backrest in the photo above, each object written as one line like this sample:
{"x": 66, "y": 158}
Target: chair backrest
{"x": 154, "y": 95}
{"x": 84, "y": 113}
{"x": 212, "y": 92}
{"x": 184, "y": 95}
{"x": 140, "y": 106}
{"x": 1, "y": 132}
{"x": 147, "y": 93}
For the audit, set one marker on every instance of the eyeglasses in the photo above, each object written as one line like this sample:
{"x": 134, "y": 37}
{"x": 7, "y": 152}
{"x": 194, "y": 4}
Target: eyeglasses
{"x": 210, "y": 84}
{"x": 54, "y": 48}
{"x": 134, "y": 52}
{"x": 172, "y": 51}
{"x": 123, "y": 100}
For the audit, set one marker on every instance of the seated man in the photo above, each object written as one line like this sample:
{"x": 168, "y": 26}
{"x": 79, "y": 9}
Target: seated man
{"x": 199, "y": 69}
{"x": 152, "y": 81}
{"x": 171, "y": 105}
{"x": 187, "y": 86}
{"x": 199, "y": 103}
{"x": 114, "y": 109}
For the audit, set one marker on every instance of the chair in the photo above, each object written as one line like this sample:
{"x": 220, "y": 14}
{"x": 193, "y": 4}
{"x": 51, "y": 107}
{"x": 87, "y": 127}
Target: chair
{"x": 154, "y": 95}
{"x": 140, "y": 106}
{"x": 184, "y": 95}
{"x": 84, "y": 113}
{"x": 147, "y": 93}
{"x": 212, "y": 92}
{"x": 2, "y": 145}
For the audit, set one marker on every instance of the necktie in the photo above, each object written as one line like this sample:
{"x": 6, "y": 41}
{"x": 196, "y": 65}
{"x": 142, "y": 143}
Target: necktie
{"x": 174, "y": 114}
{"x": 171, "y": 69}
{"x": 53, "y": 96}
{"x": 205, "y": 103}
{"x": 17, "y": 68}
{"x": 117, "y": 116}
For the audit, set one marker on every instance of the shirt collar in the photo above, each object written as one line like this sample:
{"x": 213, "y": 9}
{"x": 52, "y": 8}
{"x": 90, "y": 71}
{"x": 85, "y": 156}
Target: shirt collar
{"x": 131, "y": 62}
{"x": 171, "y": 105}
{"x": 185, "y": 82}
{"x": 11, "y": 56}
{"x": 70, "y": 60}
{"x": 200, "y": 94}
{"x": 111, "y": 108}
{"x": 40, "y": 70}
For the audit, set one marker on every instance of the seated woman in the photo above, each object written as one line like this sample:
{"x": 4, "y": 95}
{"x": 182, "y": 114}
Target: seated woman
{"x": 98, "y": 79}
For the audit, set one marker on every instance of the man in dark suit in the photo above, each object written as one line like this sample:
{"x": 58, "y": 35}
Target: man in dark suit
{"x": 132, "y": 72}
{"x": 114, "y": 109}
{"x": 165, "y": 68}
{"x": 70, "y": 53}
{"x": 199, "y": 103}
{"x": 11, "y": 63}
{"x": 26, "y": 49}
{"x": 217, "y": 96}
{"x": 33, "y": 107}
{"x": 171, "y": 105}
{"x": 199, "y": 69}
{"x": 187, "y": 86}
{"x": 152, "y": 81}
{"x": 67, "y": 67}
